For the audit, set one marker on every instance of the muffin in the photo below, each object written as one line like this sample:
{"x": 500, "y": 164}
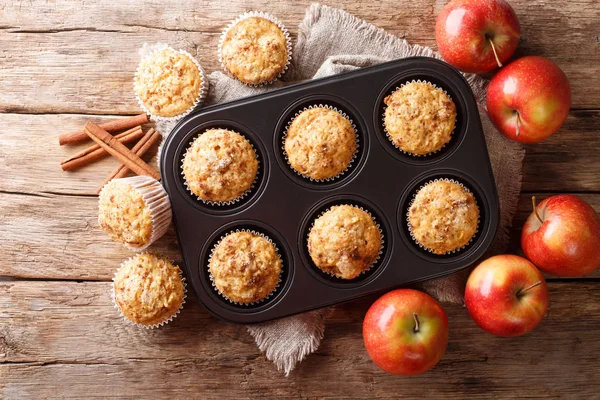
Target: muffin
{"x": 169, "y": 83}
{"x": 255, "y": 49}
{"x": 134, "y": 211}
{"x": 419, "y": 118}
{"x": 245, "y": 267}
{"x": 443, "y": 216}
{"x": 220, "y": 166}
{"x": 344, "y": 241}
{"x": 148, "y": 290}
{"x": 320, "y": 143}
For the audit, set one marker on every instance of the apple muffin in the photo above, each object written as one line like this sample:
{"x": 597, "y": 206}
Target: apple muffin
{"x": 320, "y": 143}
{"x": 344, "y": 241}
{"x": 255, "y": 49}
{"x": 148, "y": 290}
{"x": 443, "y": 216}
{"x": 220, "y": 166}
{"x": 245, "y": 267}
{"x": 419, "y": 118}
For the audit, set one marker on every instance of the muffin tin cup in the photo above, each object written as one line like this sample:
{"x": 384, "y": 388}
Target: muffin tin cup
{"x": 389, "y": 137}
{"x": 221, "y": 203}
{"x": 457, "y": 250}
{"x": 154, "y": 326}
{"x": 379, "y": 254}
{"x": 254, "y": 303}
{"x": 350, "y": 163}
{"x": 148, "y": 51}
{"x": 269, "y": 17}
{"x": 157, "y": 200}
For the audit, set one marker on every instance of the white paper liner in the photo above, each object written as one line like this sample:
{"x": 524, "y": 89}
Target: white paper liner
{"x": 410, "y": 227}
{"x": 391, "y": 140}
{"x": 381, "y": 236}
{"x": 210, "y": 276}
{"x": 147, "y": 51}
{"x": 156, "y": 199}
{"x": 265, "y": 16}
{"x": 356, "y": 138}
{"x": 158, "y": 325}
{"x": 221, "y": 203}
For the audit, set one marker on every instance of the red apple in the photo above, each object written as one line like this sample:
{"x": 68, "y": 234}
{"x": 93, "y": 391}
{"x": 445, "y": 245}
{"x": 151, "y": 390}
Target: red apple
{"x": 529, "y": 99}
{"x": 477, "y": 35}
{"x": 562, "y": 236}
{"x": 506, "y": 295}
{"x": 405, "y": 332}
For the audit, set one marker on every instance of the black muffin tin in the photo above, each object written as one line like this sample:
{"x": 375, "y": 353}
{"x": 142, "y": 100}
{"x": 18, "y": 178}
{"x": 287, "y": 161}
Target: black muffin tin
{"x": 283, "y": 204}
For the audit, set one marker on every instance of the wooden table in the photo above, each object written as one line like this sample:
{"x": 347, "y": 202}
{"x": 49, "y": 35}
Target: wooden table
{"x": 63, "y": 62}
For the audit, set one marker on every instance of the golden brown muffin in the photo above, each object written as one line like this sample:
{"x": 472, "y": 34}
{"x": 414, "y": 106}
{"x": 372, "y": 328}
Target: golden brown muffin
{"x": 443, "y": 216}
{"x": 254, "y": 50}
{"x": 123, "y": 214}
{"x": 245, "y": 267}
{"x": 168, "y": 83}
{"x": 220, "y": 166}
{"x": 419, "y": 118}
{"x": 344, "y": 241}
{"x": 148, "y": 289}
{"x": 320, "y": 143}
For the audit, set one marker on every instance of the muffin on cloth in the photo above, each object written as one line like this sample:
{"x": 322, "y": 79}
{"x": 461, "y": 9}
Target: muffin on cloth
{"x": 344, "y": 241}
{"x": 245, "y": 267}
{"x": 148, "y": 290}
{"x": 419, "y": 118}
{"x": 443, "y": 216}
{"x": 220, "y": 166}
{"x": 320, "y": 143}
{"x": 134, "y": 211}
{"x": 169, "y": 83}
{"x": 255, "y": 49}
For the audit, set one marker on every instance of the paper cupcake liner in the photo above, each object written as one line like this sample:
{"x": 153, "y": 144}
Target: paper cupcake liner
{"x": 214, "y": 286}
{"x": 157, "y": 200}
{"x": 271, "y": 18}
{"x": 149, "y": 50}
{"x": 381, "y": 235}
{"x": 221, "y": 203}
{"x": 391, "y": 140}
{"x": 158, "y": 325}
{"x": 352, "y": 160}
{"x": 412, "y": 236}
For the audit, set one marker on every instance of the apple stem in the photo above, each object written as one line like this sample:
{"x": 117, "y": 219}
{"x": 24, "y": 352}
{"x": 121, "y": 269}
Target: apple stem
{"x": 518, "y": 124}
{"x": 416, "y": 317}
{"x": 535, "y": 211}
{"x": 522, "y": 291}
{"x": 495, "y": 54}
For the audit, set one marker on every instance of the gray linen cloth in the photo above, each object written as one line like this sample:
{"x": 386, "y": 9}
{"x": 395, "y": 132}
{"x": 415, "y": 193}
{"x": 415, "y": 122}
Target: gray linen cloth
{"x": 331, "y": 41}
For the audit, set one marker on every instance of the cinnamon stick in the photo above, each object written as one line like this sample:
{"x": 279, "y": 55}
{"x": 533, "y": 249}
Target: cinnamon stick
{"x": 96, "y": 152}
{"x": 140, "y": 148}
{"x": 119, "y": 150}
{"x": 112, "y": 127}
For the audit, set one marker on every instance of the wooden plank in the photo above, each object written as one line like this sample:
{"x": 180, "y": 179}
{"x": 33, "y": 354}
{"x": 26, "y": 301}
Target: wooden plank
{"x": 60, "y": 339}
{"x": 55, "y": 58}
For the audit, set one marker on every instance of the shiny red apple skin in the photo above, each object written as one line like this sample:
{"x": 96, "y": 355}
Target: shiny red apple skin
{"x": 492, "y": 299}
{"x": 568, "y": 242}
{"x": 390, "y": 337}
{"x": 463, "y": 30}
{"x": 534, "y": 89}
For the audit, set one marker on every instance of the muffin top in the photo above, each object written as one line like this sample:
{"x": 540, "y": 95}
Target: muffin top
{"x": 168, "y": 83}
{"x": 245, "y": 267}
{"x": 443, "y": 216}
{"x": 419, "y": 118}
{"x": 220, "y": 166}
{"x": 254, "y": 50}
{"x": 123, "y": 214}
{"x": 344, "y": 241}
{"x": 320, "y": 143}
{"x": 148, "y": 289}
